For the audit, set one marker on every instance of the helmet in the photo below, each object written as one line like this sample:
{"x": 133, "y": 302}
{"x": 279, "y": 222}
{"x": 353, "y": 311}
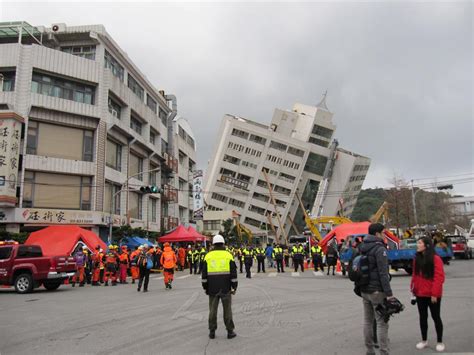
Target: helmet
{"x": 218, "y": 239}
{"x": 389, "y": 307}
{"x": 84, "y": 248}
{"x": 189, "y": 245}
{"x": 140, "y": 247}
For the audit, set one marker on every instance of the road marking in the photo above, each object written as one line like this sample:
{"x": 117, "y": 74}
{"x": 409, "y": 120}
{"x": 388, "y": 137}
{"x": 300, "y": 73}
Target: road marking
{"x": 295, "y": 274}
{"x": 272, "y": 274}
{"x": 318, "y": 273}
{"x": 183, "y": 277}
{"x": 158, "y": 278}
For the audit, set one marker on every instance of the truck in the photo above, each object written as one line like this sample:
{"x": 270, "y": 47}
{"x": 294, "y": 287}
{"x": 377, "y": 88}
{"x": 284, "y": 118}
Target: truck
{"x": 460, "y": 246}
{"x": 25, "y": 268}
{"x": 398, "y": 258}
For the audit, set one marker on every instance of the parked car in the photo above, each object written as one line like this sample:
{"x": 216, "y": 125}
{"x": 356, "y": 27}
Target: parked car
{"x": 25, "y": 268}
{"x": 459, "y": 246}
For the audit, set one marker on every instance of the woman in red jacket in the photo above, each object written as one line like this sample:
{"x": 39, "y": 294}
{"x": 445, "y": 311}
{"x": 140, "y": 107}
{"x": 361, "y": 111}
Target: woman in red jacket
{"x": 427, "y": 285}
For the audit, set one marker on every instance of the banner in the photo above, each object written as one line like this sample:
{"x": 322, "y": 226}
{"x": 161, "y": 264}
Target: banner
{"x": 197, "y": 195}
{"x": 10, "y": 135}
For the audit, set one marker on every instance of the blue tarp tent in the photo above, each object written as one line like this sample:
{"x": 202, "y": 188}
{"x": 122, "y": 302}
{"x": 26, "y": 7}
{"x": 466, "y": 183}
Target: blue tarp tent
{"x": 133, "y": 242}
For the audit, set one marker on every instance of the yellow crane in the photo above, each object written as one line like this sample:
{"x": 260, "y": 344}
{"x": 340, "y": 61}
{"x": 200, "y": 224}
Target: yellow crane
{"x": 242, "y": 228}
{"x": 312, "y": 223}
{"x": 382, "y": 211}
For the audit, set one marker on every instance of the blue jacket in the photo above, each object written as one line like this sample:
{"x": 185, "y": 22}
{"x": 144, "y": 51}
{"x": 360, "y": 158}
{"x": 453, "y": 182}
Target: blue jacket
{"x": 269, "y": 252}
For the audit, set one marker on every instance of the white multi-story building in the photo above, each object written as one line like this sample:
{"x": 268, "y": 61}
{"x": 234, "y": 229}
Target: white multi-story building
{"x": 93, "y": 126}
{"x": 299, "y": 156}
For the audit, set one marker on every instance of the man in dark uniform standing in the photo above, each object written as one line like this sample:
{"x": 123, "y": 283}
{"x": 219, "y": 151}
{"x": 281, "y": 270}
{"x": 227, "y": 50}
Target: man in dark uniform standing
{"x": 260, "y": 253}
{"x": 219, "y": 280}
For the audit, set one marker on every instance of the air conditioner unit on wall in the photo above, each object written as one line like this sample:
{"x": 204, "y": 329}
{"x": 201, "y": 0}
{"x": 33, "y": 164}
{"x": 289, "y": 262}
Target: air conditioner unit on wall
{"x": 58, "y": 27}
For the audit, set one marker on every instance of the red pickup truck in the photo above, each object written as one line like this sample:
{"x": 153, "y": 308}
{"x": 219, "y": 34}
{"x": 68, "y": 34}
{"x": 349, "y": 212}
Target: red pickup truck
{"x": 25, "y": 268}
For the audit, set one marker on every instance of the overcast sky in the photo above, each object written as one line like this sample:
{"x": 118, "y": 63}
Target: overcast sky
{"x": 399, "y": 75}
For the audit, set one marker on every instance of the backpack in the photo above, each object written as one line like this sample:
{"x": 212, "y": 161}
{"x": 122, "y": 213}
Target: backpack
{"x": 359, "y": 270}
{"x": 149, "y": 263}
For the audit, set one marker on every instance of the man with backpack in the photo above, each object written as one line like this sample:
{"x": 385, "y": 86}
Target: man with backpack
{"x": 369, "y": 271}
{"x": 145, "y": 263}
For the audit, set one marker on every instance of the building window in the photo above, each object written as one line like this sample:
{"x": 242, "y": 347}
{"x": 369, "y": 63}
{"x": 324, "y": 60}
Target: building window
{"x": 114, "y": 66}
{"x": 87, "y": 52}
{"x": 227, "y": 172}
{"x": 190, "y": 141}
{"x": 136, "y": 167}
{"x": 296, "y": 151}
{"x": 181, "y": 157}
{"x": 181, "y": 132}
{"x": 8, "y": 80}
{"x": 322, "y": 131}
{"x": 231, "y": 159}
{"x": 257, "y": 210}
{"x": 249, "y": 165}
{"x": 151, "y": 103}
{"x": 212, "y": 225}
{"x": 252, "y": 222}
{"x": 135, "y": 87}
{"x": 164, "y": 146}
{"x": 112, "y": 191}
{"x": 135, "y": 205}
{"x": 65, "y": 89}
{"x": 287, "y": 177}
{"x": 152, "y": 137}
{"x": 236, "y": 203}
{"x": 114, "y": 108}
{"x": 278, "y": 146}
{"x": 191, "y": 165}
{"x": 136, "y": 125}
{"x": 257, "y": 139}
{"x": 315, "y": 164}
{"x": 163, "y": 116}
{"x": 152, "y": 175}
{"x": 238, "y": 133}
{"x": 57, "y": 141}
{"x": 152, "y": 215}
{"x": 319, "y": 142}
{"x": 182, "y": 185}
{"x": 58, "y": 191}
{"x": 219, "y": 197}
{"x": 114, "y": 155}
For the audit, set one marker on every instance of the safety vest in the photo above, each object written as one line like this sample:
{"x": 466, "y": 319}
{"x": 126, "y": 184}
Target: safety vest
{"x": 260, "y": 252}
{"x": 190, "y": 255}
{"x": 202, "y": 253}
{"x": 218, "y": 262}
{"x": 247, "y": 254}
{"x": 277, "y": 252}
{"x": 316, "y": 250}
{"x": 110, "y": 259}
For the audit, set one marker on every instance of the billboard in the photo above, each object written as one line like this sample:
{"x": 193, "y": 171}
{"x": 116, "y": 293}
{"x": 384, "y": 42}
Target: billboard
{"x": 197, "y": 195}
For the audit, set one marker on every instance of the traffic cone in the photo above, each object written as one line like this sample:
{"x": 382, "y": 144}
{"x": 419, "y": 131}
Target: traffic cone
{"x": 338, "y": 266}
{"x": 306, "y": 264}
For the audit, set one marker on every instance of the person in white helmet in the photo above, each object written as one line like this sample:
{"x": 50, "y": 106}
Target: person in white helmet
{"x": 219, "y": 280}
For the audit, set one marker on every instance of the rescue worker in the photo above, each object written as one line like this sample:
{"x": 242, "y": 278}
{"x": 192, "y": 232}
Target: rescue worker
{"x": 96, "y": 266}
{"x": 260, "y": 254}
{"x": 317, "y": 258}
{"x": 286, "y": 256}
{"x": 124, "y": 264}
{"x": 298, "y": 256}
{"x": 278, "y": 257}
{"x": 240, "y": 256}
{"x": 219, "y": 280}
{"x": 110, "y": 267}
{"x": 190, "y": 259}
{"x": 181, "y": 257}
{"x": 101, "y": 265}
{"x": 81, "y": 260}
{"x": 168, "y": 260}
{"x": 88, "y": 266}
{"x": 135, "y": 271}
{"x": 331, "y": 257}
{"x": 144, "y": 270}
{"x": 248, "y": 261}
{"x": 202, "y": 255}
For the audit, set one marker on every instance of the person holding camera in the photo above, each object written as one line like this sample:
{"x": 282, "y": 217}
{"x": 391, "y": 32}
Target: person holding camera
{"x": 427, "y": 286}
{"x": 377, "y": 289}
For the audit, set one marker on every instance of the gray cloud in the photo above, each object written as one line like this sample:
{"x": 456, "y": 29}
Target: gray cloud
{"x": 399, "y": 75}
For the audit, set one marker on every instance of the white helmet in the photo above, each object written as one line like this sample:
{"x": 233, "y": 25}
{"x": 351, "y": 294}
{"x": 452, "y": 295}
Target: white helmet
{"x": 218, "y": 239}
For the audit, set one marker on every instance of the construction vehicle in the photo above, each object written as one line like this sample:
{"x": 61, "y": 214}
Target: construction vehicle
{"x": 381, "y": 212}
{"x": 313, "y": 223}
{"x": 243, "y": 230}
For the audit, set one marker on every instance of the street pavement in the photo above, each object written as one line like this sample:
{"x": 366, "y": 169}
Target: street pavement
{"x": 291, "y": 313}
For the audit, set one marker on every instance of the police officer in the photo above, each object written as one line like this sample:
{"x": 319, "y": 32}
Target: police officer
{"x": 190, "y": 258}
{"x": 317, "y": 257}
{"x": 248, "y": 261}
{"x": 278, "y": 257}
{"x": 202, "y": 255}
{"x": 298, "y": 256}
{"x": 219, "y": 280}
{"x": 260, "y": 254}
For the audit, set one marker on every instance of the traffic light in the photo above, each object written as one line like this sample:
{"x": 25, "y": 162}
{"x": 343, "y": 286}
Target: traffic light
{"x": 445, "y": 187}
{"x": 152, "y": 189}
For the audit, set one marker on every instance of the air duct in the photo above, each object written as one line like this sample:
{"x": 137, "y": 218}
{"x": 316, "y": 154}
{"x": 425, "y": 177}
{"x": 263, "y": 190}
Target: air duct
{"x": 169, "y": 123}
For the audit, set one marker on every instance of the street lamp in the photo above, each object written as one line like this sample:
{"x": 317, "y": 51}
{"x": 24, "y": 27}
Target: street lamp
{"x": 413, "y": 195}
{"x": 143, "y": 189}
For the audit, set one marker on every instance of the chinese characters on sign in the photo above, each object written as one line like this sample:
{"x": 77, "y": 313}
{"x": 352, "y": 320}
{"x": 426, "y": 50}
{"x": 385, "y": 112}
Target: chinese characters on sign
{"x": 197, "y": 195}
{"x": 10, "y": 132}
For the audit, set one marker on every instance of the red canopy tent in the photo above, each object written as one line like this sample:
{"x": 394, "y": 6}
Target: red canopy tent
{"x": 199, "y": 237}
{"x": 341, "y": 232}
{"x": 181, "y": 234}
{"x": 62, "y": 240}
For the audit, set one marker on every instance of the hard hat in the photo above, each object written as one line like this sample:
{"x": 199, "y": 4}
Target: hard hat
{"x": 218, "y": 239}
{"x": 84, "y": 248}
{"x": 140, "y": 247}
{"x": 101, "y": 250}
{"x": 166, "y": 244}
{"x": 189, "y": 245}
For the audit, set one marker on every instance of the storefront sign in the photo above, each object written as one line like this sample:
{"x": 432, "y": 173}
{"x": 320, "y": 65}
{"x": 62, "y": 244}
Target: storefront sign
{"x": 197, "y": 195}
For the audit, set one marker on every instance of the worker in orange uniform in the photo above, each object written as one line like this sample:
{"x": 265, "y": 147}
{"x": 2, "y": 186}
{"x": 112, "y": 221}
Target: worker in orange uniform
{"x": 181, "y": 257}
{"x": 168, "y": 260}
{"x": 110, "y": 267}
{"x": 133, "y": 262}
{"x": 96, "y": 266}
{"x": 124, "y": 264}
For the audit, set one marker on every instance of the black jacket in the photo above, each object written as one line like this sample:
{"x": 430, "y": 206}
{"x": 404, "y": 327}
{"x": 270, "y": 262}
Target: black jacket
{"x": 375, "y": 249}
{"x": 220, "y": 284}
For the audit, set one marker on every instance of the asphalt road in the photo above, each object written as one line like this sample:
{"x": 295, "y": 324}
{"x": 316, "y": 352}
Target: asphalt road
{"x": 289, "y": 313}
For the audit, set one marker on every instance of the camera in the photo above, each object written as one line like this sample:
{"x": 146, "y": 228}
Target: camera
{"x": 413, "y": 300}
